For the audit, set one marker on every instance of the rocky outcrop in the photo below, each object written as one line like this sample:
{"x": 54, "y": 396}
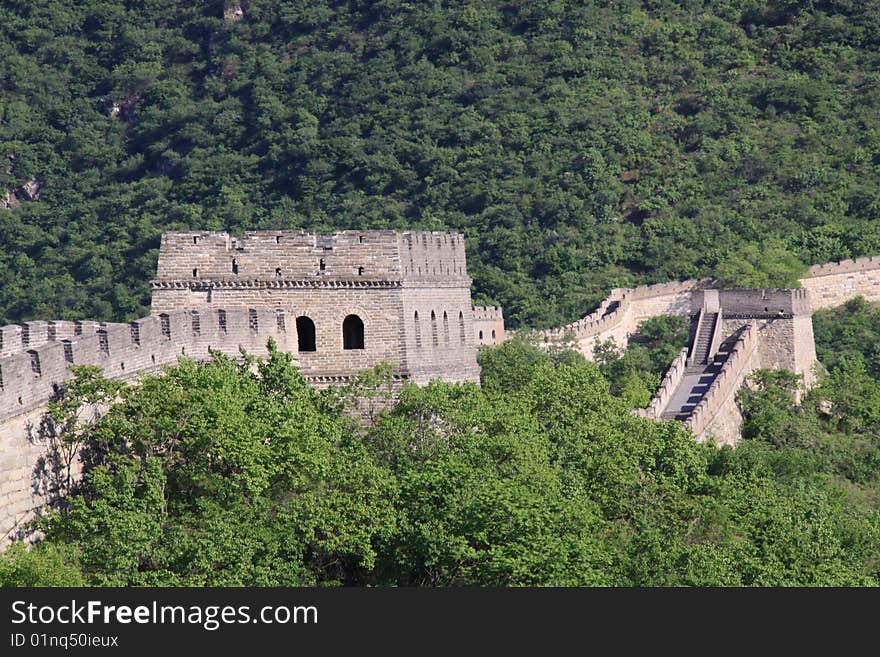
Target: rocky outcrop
{"x": 30, "y": 191}
{"x": 9, "y": 201}
{"x": 233, "y": 14}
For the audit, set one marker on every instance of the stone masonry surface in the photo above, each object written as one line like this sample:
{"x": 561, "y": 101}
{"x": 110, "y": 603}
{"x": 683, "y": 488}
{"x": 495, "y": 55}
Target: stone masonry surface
{"x": 340, "y": 303}
{"x": 345, "y": 302}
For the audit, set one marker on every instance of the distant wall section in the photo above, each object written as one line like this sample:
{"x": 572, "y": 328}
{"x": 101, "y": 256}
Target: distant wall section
{"x": 836, "y": 283}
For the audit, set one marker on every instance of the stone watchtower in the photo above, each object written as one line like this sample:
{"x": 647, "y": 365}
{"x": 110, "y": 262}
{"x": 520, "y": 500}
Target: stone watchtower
{"x": 354, "y": 298}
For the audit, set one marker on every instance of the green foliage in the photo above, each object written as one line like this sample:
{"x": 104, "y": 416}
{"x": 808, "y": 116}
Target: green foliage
{"x": 239, "y": 474}
{"x": 577, "y": 145}
{"x": 215, "y": 475}
{"x": 761, "y": 266}
{"x": 849, "y": 332}
{"x": 767, "y": 403}
{"x": 47, "y": 564}
{"x": 636, "y": 373}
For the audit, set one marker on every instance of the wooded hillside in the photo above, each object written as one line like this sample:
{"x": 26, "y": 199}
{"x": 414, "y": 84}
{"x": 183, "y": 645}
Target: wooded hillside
{"x": 578, "y": 145}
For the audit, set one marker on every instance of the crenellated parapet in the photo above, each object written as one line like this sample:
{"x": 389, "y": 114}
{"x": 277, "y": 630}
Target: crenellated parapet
{"x": 867, "y": 263}
{"x": 202, "y": 260}
{"x": 488, "y": 325}
{"x": 610, "y": 313}
{"x": 741, "y": 360}
{"x": 620, "y": 314}
{"x": 32, "y": 375}
{"x": 671, "y": 381}
{"x": 834, "y": 283}
{"x": 29, "y": 335}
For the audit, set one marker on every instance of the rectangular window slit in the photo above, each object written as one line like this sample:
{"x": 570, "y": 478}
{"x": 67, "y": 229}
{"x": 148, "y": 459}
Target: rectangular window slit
{"x": 35, "y": 362}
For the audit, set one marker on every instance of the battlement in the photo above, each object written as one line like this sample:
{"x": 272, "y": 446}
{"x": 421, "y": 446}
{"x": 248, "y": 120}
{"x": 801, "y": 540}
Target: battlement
{"x": 488, "y": 325}
{"x": 727, "y": 382}
{"x": 668, "y": 386}
{"x": 30, "y": 378}
{"x": 866, "y": 263}
{"x": 610, "y": 313}
{"x": 489, "y": 313}
{"x": 670, "y": 288}
{"x": 202, "y": 259}
{"x": 15, "y": 338}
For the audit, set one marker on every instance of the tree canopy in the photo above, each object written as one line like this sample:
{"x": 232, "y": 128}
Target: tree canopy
{"x": 578, "y": 145}
{"x": 227, "y": 473}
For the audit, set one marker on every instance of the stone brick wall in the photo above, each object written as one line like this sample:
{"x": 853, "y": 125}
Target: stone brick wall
{"x": 285, "y": 255}
{"x": 410, "y": 292}
{"x": 784, "y": 323}
{"x": 31, "y": 377}
{"x": 706, "y": 421}
{"x": 29, "y": 478}
{"x": 764, "y": 303}
{"x": 383, "y": 277}
{"x": 124, "y": 351}
{"x": 621, "y": 313}
{"x": 835, "y": 283}
{"x": 488, "y": 325}
{"x": 21, "y": 337}
{"x": 670, "y": 383}
{"x": 439, "y": 333}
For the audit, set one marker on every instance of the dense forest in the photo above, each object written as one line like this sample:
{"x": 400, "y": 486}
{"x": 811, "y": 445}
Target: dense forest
{"x": 578, "y": 145}
{"x": 221, "y": 473}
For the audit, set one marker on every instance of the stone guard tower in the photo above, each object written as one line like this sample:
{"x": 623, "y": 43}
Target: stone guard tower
{"x": 356, "y": 298}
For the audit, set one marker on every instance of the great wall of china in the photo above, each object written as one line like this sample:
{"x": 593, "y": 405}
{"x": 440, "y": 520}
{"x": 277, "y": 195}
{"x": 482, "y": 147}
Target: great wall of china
{"x": 346, "y": 302}
{"x": 735, "y": 333}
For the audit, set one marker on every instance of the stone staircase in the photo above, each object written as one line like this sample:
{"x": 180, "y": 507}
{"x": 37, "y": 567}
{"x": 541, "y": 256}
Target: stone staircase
{"x": 700, "y": 373}
{"x": 703, "y": 340}
{"x": 690, "y": 391}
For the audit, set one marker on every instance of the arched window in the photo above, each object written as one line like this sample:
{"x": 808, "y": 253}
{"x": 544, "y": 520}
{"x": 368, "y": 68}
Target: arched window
{"x": 418, "y": 330}
{"x": 305, "y": 334}
{"x": 352, "y": 333}
{"x": 445, "y": 328}
{"x": 461, "y": 336}
{"x": 234, "y": 266}
{"x": 493, "y": 335}
{"x": 434, "y": 329}
{"x": 481, "y": 336}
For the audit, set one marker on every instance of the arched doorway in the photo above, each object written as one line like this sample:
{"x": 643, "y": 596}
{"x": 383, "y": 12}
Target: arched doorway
{"x": 305, "y": 334}
{"x": 353, "y": 333}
